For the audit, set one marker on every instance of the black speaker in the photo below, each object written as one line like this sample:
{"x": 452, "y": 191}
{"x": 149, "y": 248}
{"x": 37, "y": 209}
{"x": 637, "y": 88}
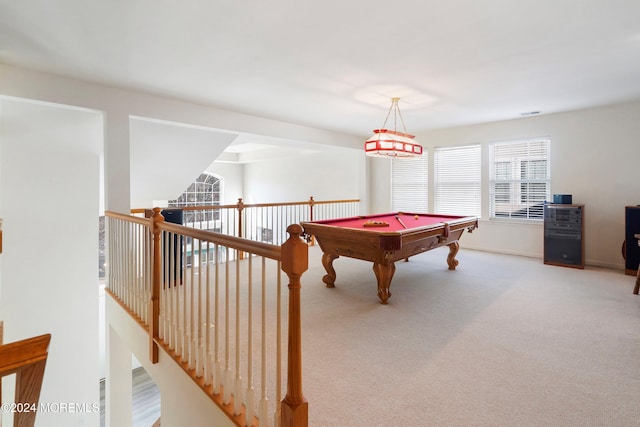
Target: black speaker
{"x": 631, "y": 228}
{"x": 173, "y": 216}
{"x": 564, "y": 235}
{"x": 563, "y": 251}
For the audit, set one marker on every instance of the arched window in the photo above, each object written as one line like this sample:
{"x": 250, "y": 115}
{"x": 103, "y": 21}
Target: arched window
{"x": 205, "y": 191}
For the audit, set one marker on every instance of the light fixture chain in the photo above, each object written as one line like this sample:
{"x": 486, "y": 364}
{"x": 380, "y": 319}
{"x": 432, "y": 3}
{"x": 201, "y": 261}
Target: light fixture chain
{"x": 384, "y": 125}
{"x": 404, "y": 127}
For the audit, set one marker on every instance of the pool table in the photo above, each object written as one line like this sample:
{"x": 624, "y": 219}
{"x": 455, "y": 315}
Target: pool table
{"x": 386, "y": 238}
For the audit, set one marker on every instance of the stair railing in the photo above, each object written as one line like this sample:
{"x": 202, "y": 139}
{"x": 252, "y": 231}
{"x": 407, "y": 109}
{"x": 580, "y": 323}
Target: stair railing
{"x": 27, "y": 360}
{"x": 199, "y": 293}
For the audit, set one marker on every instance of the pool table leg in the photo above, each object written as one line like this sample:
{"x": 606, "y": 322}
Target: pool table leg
{"x": 327, "y": 261}
{"x": 451, "y": 258}
{"x": 384, "y": 274}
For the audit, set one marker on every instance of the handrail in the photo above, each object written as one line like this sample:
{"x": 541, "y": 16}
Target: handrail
{"x": 257, "y": 248}
{"x": 265, "y": 222}
{"x": 163, "y": 248}
{"x": 241, "y": 203}
{"x": 27, "y": 359}
{"x": 152, "y": 269}
{"x": 128, "y": 218}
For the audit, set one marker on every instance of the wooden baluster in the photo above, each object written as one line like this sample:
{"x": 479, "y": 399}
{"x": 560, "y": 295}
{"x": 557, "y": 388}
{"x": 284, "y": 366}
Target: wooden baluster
{"x": 264, "y": 404}
{"x": 312, "y": 239}
{"x": 228, "y": 373}
{"x": 217, "y": 371}
{"x": 295, "y": 261}
{"x": 250, "y": 392}
{"x": 154, "y": 309}
{"x": 240, "y": 207}
{"x": 237, "y": 394}
{"x": 311, "y": 204}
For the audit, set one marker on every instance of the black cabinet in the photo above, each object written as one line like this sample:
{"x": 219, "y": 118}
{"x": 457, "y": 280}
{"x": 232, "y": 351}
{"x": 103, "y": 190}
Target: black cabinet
{"x": 172, "y": 248}
{"x": 564, "y": 235}
{"x": 631, "y": 249}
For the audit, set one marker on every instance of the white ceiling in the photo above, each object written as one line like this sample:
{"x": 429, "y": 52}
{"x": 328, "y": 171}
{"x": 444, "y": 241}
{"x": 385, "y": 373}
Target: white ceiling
{"x": 335, "y": 63}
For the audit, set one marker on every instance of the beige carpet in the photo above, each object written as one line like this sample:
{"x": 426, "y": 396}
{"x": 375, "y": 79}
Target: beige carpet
{"x": 501, "y": 341}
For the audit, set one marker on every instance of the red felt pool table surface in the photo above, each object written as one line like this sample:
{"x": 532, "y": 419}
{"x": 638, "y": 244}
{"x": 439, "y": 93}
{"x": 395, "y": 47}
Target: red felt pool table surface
{"x": 400, "y": 236}
{"x": 395, "y": 221}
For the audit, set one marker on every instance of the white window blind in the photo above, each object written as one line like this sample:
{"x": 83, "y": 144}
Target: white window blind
{"x": 457, "y": 180}
{"x": 409, "y": 184}
{"x": 520, "y": 178}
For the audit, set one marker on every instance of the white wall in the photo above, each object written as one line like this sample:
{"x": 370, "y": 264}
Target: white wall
{"x": 593, "y": 157}
{"x": 166, "y": 158}
{"x": 331, "y": 174}
{"x": 233, "y": 182}
{"x": 120, "y": 105}
{"x": 379, "y": 184}
{"x": 182, "y": 401}
{"x": 49, "y": 182}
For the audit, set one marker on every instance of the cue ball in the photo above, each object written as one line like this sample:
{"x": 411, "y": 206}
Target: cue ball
{"x": 415, "y": 217}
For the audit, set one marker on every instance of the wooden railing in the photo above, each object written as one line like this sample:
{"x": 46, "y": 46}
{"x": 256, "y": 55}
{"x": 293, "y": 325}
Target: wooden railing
{"x": 27, "y": 360}
{"x": 263, "y": 222}
{"x": 213, "y": 302}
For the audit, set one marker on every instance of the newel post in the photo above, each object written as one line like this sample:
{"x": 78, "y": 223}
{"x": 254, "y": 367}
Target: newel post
{"x": 295, "y": 261}
{"x": 240, "y": 208}
{"x": 156, "y": 279}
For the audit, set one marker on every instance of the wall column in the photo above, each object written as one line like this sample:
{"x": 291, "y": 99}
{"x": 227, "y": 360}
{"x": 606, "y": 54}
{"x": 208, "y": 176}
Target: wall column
{"x": 116, "y": 162}
{"x": 119, "y": 383}
{"x": 117, "y": 171}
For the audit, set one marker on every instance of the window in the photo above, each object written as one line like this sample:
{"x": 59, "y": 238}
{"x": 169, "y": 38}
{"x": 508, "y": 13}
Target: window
{"x": 409, "y": 185}
{"x": 457, "y": 180}
{"x": 205, "y": 191}
{"x": 519, "y": 178}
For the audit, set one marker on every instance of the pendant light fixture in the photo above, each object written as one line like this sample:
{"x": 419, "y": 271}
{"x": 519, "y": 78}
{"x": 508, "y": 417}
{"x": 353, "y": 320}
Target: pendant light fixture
{"x": 392, "y": 143}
